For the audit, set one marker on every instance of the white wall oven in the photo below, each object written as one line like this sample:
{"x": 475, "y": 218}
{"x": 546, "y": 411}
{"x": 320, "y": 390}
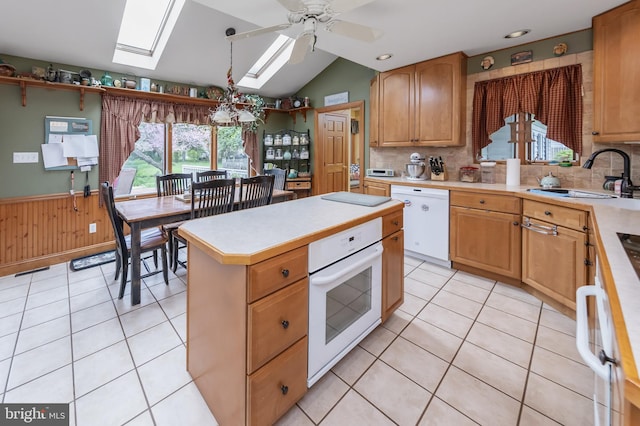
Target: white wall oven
{"x": 345, "y": 293}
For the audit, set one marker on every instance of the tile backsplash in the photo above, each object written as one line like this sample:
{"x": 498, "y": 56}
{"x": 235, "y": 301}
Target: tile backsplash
{"x": 607, "y": 164}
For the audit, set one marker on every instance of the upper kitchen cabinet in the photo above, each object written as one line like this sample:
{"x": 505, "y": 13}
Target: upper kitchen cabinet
{"x": 423, "y": 104}
{"x": 616, "y": 53}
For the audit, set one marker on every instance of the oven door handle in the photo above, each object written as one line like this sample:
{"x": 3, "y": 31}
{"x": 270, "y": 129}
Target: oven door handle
{"x": 328, "y": 279}
{"x": 582, "y": 328}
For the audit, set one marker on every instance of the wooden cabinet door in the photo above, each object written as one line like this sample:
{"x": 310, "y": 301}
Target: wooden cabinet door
{"x": 374, "y": 86}
{"x": 374, "y": 188}
{"x": 396, "y": 107}
{"x": 439, "y": 116}
{"x": 486, "y": 240}
{"x": 392, "y": 273}
{"x": 616, "y": 60}
{"x": 554, "y": 264}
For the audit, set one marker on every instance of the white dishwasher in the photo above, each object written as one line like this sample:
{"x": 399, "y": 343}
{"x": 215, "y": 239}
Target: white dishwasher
{"x": 426, "y": 222}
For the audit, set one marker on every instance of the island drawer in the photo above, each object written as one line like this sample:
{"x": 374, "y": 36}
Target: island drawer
{"x": 558, "y": 215}
{"x": 273, "y": 389}
{"x": 492, "y": 202}
{"x": 299, "y": 185}
{"x": 392, "y": 223}
{"x": 275, "y": 273}
{"x": 275, "y": 322}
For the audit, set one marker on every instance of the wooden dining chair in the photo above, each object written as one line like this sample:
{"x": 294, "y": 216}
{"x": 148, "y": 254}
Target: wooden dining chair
{"x": 280, "y": 177}
{"x": 255, "y": 191}
{"x": 210, "y": 175}
{"x": 151, "y": 240}
{"x": 173, "y": 183}
{"x": 208, "y": 198}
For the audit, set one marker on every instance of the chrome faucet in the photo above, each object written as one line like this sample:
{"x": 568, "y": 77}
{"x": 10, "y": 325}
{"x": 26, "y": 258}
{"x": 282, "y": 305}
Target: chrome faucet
{"x": 627, "y": 188}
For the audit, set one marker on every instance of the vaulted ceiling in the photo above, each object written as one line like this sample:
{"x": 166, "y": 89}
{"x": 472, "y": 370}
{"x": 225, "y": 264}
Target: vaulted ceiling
{"x": 84, "y": 33}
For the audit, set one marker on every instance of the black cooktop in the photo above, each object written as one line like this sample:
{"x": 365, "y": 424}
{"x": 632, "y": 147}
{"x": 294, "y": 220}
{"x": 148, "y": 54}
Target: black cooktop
{"x": 631, "y": 244}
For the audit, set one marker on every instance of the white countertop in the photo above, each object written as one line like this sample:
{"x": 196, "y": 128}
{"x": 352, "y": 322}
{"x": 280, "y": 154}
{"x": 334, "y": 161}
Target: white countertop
{"x": 246, "y": 236}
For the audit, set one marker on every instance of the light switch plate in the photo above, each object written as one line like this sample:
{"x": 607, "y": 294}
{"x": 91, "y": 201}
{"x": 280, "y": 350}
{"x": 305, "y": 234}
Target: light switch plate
{"x": 25, "y": 157}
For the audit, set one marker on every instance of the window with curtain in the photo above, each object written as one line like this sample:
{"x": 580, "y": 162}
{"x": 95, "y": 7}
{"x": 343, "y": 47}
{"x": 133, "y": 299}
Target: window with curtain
{"x": 543, "y": 112}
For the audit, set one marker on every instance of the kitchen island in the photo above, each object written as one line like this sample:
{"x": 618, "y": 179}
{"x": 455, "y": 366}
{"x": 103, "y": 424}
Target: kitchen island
{"x": 247, "y": 308}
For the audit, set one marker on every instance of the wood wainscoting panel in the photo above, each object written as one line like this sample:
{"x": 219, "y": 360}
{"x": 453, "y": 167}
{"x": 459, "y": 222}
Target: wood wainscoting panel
{"x": 43, "y": 230}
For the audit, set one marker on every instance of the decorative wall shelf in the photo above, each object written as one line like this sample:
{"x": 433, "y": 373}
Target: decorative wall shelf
{"x": 26, "y": 82}
{"x": 140, "y": 94}
{"x": 292, "y": 112}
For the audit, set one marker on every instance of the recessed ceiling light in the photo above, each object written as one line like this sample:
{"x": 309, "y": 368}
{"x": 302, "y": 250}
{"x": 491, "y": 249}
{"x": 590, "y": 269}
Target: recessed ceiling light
{"x": 518, "y": 33}
{"x": 384, "y": 57}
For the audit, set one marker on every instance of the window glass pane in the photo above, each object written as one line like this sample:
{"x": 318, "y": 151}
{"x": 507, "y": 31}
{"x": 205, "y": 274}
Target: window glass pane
{"x": 500, "y": 148}
{"x": 148, "y": 157}
{"x": 191, "y": 150}
{"x": 231, "y": 156}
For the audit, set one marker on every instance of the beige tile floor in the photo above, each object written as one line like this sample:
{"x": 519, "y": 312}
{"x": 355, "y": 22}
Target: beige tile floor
{"x": 461, "y": 350}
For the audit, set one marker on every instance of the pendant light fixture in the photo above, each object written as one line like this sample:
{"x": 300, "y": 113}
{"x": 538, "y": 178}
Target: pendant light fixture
{"x": 227, "y": 112}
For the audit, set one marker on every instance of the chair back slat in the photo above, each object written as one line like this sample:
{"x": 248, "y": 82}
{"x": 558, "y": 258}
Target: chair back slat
{"x": 212, "y": 197}
{"x": 116, "y": 221}
{"x": 210, "y": 175}
{"x": 173, "y": 183}
{"x": 280, "y": 175}
{"x": 256, "y": 191}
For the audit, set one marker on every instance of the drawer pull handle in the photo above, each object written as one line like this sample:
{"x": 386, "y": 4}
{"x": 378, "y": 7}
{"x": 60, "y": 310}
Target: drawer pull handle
{"x": 284, "y": 389}
{"x": 547, "y": 212}
{"x": 285, "y": 324}
{"x": 285, "y": 273}
{"x": 481, "y": 201}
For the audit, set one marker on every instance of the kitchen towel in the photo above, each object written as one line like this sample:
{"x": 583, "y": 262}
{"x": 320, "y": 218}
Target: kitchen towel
{"x": 513, "y": 172}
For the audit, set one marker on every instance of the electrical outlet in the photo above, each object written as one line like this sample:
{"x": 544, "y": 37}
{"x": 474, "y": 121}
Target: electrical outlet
{"x": 92, "y": 228}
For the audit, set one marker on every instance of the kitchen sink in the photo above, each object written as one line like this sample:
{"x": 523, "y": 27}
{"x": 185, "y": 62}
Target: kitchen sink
{"x": 568, "y": 193}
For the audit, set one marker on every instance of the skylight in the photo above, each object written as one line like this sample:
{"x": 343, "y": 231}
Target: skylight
{"x": 269, "y": 63}
{"x": 144, "y": 31}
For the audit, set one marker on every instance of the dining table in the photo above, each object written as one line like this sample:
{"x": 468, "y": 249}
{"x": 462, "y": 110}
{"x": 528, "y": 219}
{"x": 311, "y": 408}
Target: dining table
{"x": 149, "y": 212}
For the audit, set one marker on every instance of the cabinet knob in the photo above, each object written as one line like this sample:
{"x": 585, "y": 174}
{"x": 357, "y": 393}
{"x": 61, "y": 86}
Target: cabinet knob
{"x": 285, "y": 324}
{"x": 516, "y": 223}
{"x": 284, "y": 389}
{"x": 481, "y": 201}
{"x": 594, "y": 133}
{"x": 395, "y": 238}
{"x": 395, "y": 223}
{"x": 285, "y": 273}
{"x": 547, "y": 212}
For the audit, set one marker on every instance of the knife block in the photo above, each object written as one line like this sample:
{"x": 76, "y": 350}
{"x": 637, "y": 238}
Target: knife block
{"x": 442, "y": 176}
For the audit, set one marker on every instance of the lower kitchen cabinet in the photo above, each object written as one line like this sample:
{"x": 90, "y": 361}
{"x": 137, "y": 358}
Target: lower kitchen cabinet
{"x": 392, "y": 273}
{"x": 375, "y": 188}
{"x": 555, "y": 250}
{"x": 485, "y": 232}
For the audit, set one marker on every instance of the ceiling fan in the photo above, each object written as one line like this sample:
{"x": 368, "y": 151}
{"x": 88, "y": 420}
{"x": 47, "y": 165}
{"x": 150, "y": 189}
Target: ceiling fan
{"x": 310, "y": 13}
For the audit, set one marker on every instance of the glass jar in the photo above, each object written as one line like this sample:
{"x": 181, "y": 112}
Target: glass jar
{"x": 296, "y": 154}
{"x": 286, "y": 139}
{"x": 279, "y": 154}
{"x": 488, "y": 171}
{"x": 295, "y": 140}
{"x": 277, "y": 140}
{"x": 304, "y": 140}
{"x": 270, "y": 154}
{"x": 469, "y": 174}
{"x": 106, "y": 80}
{"x": 304, "y": 153}
{"x": 287, "y": 155}
{"x": 268, "y": 140}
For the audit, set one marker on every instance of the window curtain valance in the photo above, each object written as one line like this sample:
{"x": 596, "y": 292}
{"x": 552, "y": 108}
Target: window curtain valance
{"x": 121, "y": 116}
{"x": 554, "y": 96}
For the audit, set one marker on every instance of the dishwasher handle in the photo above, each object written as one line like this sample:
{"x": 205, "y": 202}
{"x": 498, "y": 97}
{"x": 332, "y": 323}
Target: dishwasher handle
{"x": 540, "y": 229}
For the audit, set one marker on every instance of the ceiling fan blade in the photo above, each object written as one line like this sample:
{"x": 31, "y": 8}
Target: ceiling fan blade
{"x": 341, "y": 6}
{"x": 259, "y": 31}
{"x": 350, "y": 29}
{"x": 292, "y": 5}
{"x": 300, "y": 48}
